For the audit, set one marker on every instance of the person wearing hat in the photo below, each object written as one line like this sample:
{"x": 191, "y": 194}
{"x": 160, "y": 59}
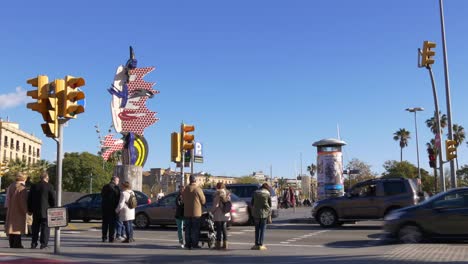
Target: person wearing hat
{"x": 15, "y": 221}
{"x": 194, "y": 199}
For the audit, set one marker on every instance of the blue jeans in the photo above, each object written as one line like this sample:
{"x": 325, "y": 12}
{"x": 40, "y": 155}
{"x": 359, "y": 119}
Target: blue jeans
{"x": 128, "y": 229}
{"x": 180, "y": 229}
{"x": 192, "y": 231}
{"x": 119, "y": 228}
{"x": 260, "y": 227}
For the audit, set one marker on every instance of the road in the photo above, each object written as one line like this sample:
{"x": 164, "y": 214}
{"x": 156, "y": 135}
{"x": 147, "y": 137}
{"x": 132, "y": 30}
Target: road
{"x": 363, "y": 242}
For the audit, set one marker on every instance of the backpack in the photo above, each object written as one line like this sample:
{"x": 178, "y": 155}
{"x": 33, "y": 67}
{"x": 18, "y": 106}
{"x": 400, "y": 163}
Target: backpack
{"x": 227, "y": 206}
{"x": 132, "y": 201}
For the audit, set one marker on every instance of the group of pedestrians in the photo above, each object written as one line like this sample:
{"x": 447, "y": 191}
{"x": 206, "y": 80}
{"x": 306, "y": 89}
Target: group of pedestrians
{"x": 189, "y": 206}
{"x": 117, "y": 212}
{"x": 21, "y": 202}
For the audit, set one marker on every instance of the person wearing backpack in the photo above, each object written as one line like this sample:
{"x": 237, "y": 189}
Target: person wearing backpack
{"x": 126, "y": 210}
{"x": 221, "y": 214}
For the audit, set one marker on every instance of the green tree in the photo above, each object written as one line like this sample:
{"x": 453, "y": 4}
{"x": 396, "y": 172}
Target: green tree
{"x": 77, "y": 169}
{"x": 404, "y": 169}
{"x": 365, "y": 172}
{"x": 432, "y": 124}
{"x": 431, "y": 145}
{"x": 463, "y": 176}
{"x": 30, "y": 170}
{"x": 402, "y": 136}
{"x": 246, "y": 180}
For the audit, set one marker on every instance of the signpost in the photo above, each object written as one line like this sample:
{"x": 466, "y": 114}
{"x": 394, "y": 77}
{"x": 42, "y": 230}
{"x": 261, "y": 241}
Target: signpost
{"x": 57, "y": 217}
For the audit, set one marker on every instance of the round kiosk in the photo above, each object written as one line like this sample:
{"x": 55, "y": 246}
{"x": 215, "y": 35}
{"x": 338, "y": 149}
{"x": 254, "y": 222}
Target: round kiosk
{"x": 329, "y": 168}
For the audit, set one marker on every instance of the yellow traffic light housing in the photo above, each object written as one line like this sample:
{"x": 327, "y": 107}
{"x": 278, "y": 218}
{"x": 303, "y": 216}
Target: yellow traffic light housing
{"x": 41, "y": 82}
{"x": 50, "y": 112}
{"x": 71, "y": 95}
{"x": 428, "y": 53}
{"x": 187, "y": 139}
{"x": 450, "y": 149}
{"x": 175, "y": 147}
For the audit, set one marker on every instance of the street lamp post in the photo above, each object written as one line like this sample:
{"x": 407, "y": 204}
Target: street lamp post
{"x": 414, "y": 110}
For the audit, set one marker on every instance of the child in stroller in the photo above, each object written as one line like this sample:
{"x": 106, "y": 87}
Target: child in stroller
{"x": 207, "y": 230}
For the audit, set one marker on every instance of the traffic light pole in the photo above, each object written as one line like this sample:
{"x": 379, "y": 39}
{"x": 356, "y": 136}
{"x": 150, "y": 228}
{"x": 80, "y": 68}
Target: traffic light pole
{"x": 453, "y": 179}
{"x": 182, "y": 162}
{"x": 439, "y": 132}
{"x": 58, "y": 198}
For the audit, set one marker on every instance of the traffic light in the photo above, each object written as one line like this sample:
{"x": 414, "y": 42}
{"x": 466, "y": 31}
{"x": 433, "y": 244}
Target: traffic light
{"x": 450, "y": 149}
{"x": 432, "y": 158}
{"x": 3, "y": 168}
{"x": 427, "y": 53}
{"x": 46, "y": 103}
{"x": 175, "y": 147}
{"x": 68, "y": 105}
{"x": 41, "y": 82}
{"x": 187, "y": 139}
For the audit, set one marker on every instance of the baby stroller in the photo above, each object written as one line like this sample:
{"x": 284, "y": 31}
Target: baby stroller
{"x": 207, "y": 230}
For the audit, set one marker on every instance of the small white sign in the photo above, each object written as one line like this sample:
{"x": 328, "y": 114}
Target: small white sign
{"x": 57, "y": 217}
{"x": 198, "y": 149}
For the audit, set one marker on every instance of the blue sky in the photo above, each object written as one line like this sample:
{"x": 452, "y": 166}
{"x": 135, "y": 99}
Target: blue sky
{"x": 260, "y": 80}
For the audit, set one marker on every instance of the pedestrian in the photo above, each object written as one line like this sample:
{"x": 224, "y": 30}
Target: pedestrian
{"x": 41, "y": 197}
{"x": 126, "y": 214}
{"x": 179, "y": 216}
{"x": 194, "y": 199}
{"x": 220, "y": 217}
{"x": 110, "y": 194}
{"x": 261, "y": 210}
{"x": 292, "y": 198}
{"x": 17, "y": 209}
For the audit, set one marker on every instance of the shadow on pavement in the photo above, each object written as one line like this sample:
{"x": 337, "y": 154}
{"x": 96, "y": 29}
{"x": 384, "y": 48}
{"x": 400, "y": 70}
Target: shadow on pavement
{"x": 360, "y": 243}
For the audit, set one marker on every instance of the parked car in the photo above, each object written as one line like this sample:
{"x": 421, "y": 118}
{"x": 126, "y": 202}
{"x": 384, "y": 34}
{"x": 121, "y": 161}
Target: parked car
{"x": 444, "y": 215}
{"x": 245, "y": 192}
{"x": 88, "y": 207}
{"x": 162, "y": 212}
{"x": 372, "y": 199}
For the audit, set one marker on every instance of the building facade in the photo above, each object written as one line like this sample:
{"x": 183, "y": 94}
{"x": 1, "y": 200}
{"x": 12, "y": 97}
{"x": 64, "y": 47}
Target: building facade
{"x": 16, "y": 144}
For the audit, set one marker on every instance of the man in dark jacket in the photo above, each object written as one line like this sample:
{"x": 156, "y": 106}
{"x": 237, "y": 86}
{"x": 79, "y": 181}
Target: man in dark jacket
{"x": 179, "y": 216}
{"x": 110, "y": 199}
{"x": 41, "y": 197}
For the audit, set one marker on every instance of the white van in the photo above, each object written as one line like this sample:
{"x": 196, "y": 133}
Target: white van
{"x": 245, "y": 192}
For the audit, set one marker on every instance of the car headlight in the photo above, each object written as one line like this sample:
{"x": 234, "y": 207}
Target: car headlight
{"x": 393, "y": 216}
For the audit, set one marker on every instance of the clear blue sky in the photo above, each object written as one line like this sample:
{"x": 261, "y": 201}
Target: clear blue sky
{"x": 260, "y": 80}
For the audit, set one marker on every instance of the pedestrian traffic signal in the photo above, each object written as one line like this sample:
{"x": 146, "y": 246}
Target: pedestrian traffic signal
{"x": 432, "y": 158}
{"x": 175, "y": 147}
{"x": 427, "y": 53}
{"x": 450, "y": 149}
{"x": 71, "y": 95}
{"x": 187, "y": 139}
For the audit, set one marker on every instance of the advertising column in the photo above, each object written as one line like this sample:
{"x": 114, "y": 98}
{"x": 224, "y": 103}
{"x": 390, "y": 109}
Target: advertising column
{"x": 329, "y": 168}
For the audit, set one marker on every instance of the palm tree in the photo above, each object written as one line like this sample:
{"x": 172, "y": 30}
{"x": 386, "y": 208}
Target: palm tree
{"x": 432, "y": 124}
{"x": 432, "y": 145}
{"x": 403, "y": 136}
{"x": 458, "y": 136}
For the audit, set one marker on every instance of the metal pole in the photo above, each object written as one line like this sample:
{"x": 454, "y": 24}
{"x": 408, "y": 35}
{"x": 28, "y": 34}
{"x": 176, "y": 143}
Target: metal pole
{"x": 417, "y": 145}
{"x": 191, "y": 161}
{"x": 439, "y": 131}
{"x": 453, "y": 179}
{"x": 58, "y": 201}
{"x": 91, "y": 183}
{"x": 182, "y": 163}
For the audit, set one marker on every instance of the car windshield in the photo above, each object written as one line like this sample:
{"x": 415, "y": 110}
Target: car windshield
{"x": 246, "y": 191}
{"x": 433, "y": 198}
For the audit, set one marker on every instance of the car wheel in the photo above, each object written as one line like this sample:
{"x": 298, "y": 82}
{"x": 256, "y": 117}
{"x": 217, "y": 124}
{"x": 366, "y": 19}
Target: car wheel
{"x": 141, "y": 221}
{"x": 410, "y": 234}
{"x": 327, "y": 218}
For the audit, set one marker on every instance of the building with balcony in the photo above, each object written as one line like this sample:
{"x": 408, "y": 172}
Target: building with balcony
{"x": 16, "y": 144}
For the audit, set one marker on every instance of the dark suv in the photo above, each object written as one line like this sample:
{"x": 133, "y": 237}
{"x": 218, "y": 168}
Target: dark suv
{"x": 367, "y": 200}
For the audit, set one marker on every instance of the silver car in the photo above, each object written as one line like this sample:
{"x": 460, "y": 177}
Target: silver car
{"x": 163, "y": 211}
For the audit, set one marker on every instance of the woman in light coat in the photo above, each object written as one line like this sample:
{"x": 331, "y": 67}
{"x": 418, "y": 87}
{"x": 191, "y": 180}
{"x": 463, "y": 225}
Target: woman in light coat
{"x": 17, "y": 205}
{"x": 220, "y": 218}
{"x": 126, "y": 215}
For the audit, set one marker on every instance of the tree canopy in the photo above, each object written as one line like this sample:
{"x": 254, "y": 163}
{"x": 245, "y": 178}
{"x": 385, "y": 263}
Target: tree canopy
{"x": 404, "y": 169}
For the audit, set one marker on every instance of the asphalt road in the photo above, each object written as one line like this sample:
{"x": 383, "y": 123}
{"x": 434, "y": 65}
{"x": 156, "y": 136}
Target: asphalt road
{"x": 363, "y": 242}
